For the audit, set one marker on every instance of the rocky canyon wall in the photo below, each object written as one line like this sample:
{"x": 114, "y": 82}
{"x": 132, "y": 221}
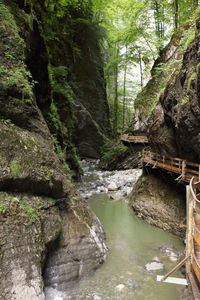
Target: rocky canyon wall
{"x": 48, "y": 235}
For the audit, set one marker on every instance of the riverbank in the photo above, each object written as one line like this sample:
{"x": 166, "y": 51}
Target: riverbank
{"x": 117, "y": 184}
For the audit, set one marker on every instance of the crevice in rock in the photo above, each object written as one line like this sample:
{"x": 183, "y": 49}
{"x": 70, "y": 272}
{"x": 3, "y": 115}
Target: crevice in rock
{"x": 51, "y": 247}
{"x": 37, "y": 63}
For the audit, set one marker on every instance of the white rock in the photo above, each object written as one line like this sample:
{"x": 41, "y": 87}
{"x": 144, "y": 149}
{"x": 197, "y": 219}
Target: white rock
{"x": 120, "y": 287}
{"x": 95, "y": 297}
{"x": 173, "y": 258}
{"x": 156, "y": 259}
{"x": 112, "y": 186}
{"x": 154, "y": 266}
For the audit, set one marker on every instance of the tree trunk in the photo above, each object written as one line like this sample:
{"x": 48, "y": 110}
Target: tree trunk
{"x": 116, "y": 108}
{"x": 141, "y": 70}
{"x": 195, "y": 4}
{"x": 176, "y": 13}
{"x": 124, "y": 90}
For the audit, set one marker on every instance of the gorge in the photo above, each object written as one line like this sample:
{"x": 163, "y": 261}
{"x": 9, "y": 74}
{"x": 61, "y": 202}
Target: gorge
{"x": 61, "y": 101}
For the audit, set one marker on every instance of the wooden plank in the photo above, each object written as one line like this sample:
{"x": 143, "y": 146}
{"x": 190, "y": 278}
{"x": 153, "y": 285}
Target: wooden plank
{"x": 134, "y": 139}
{"x": 189, "y": 233}
{"x": 193, "y": 164}
{"x": 197, "y": 238}
{"x": 194, "y": 286}
{"x": 181, "y": 281}
{"x": 196, "y": 185}
{"x": 190, "y": 171}
{"x": 196, "y": 269}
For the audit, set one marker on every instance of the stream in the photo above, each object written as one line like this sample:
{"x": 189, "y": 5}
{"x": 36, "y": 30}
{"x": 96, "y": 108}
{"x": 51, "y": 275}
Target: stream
{"x": 132, "y": 244}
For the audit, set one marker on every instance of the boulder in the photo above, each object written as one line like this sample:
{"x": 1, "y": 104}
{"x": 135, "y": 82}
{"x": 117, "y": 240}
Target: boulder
{"x": 112, "y": 187}
{"x": 154, "y": 266}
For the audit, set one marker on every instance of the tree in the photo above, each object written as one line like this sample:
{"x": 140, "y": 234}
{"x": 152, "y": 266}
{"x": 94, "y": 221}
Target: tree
{"x": 176, "y": 13}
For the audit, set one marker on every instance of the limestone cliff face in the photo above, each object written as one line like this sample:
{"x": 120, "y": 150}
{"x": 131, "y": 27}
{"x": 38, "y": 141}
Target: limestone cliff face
{"x": 42, "y": 218}
{"x": 165, "y": 68}
{"x": 169, "y": 112}
{"x": 159, "y": 202}
{"x": 75, "y": 67}
{"x": 175, "y": 122}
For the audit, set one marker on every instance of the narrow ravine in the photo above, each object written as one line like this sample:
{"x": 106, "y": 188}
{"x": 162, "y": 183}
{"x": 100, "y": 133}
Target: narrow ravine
{"x": 132, "y": 244}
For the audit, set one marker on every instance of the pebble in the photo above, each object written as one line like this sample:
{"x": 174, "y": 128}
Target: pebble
{"x": 120, "y": 287}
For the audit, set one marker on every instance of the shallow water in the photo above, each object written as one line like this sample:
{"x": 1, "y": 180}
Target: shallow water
{"x": 132, "y": 244}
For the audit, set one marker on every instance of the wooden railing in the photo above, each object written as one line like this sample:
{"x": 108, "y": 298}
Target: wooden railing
{"x": 186, "y": 170}
{"x": 193, "y": 237}
{"x": 134, "y": 139}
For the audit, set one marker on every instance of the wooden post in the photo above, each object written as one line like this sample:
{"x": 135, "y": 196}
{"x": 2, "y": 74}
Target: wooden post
{"x": 189, "y": 234}
{"x": 183, "y": 169}
{"x": 199, "y": 172}
{"x": 178, "y": 266}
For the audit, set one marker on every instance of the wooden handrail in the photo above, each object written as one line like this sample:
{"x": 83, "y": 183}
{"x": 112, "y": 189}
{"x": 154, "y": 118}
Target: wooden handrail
{"x": 187, "y": 170}
{"x": 193, "y": 241}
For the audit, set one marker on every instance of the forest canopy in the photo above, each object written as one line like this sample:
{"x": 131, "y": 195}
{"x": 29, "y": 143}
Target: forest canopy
{"x": 132, "y": 33}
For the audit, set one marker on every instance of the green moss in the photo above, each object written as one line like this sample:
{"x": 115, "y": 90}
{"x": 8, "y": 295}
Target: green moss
{"x": 21, "y": 210}
{"x": 62, "y": 157}
{"x": 191, "y": 78}
{"x": 13, "y": 72}
{"x": 15, "y": 168}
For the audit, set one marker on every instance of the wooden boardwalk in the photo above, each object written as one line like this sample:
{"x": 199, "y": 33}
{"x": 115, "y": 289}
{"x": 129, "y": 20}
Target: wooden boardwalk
{"x": 193, "y": 238}
{"x": 185, "y": 170}
{"x": 189, "y": 173}
{"x": 135, "y": 139}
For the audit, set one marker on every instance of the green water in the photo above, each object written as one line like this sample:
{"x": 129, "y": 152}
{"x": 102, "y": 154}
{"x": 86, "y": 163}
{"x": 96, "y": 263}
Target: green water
{"x": 132, "y": 244}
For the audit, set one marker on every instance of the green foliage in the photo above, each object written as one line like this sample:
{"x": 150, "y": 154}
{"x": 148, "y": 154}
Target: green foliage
{"x": 160, "y": 69}
{"x": 111, "y": 150}
{"x": 15, "y": 168}
{"x": 185, "y": 100}
{"x": 60, "y": 7}
{"x": 13, "y": 72}
{"x": 188, "y": 37}
{"x": 59, "y": 82}
{"x": 54, "y": 116}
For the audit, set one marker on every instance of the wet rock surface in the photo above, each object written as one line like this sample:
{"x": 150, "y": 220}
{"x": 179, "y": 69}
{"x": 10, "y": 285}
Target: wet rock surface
{"x": 40, "y": 212}
{"x": 81, "y": 249}
{"x": 154, "y": 200}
